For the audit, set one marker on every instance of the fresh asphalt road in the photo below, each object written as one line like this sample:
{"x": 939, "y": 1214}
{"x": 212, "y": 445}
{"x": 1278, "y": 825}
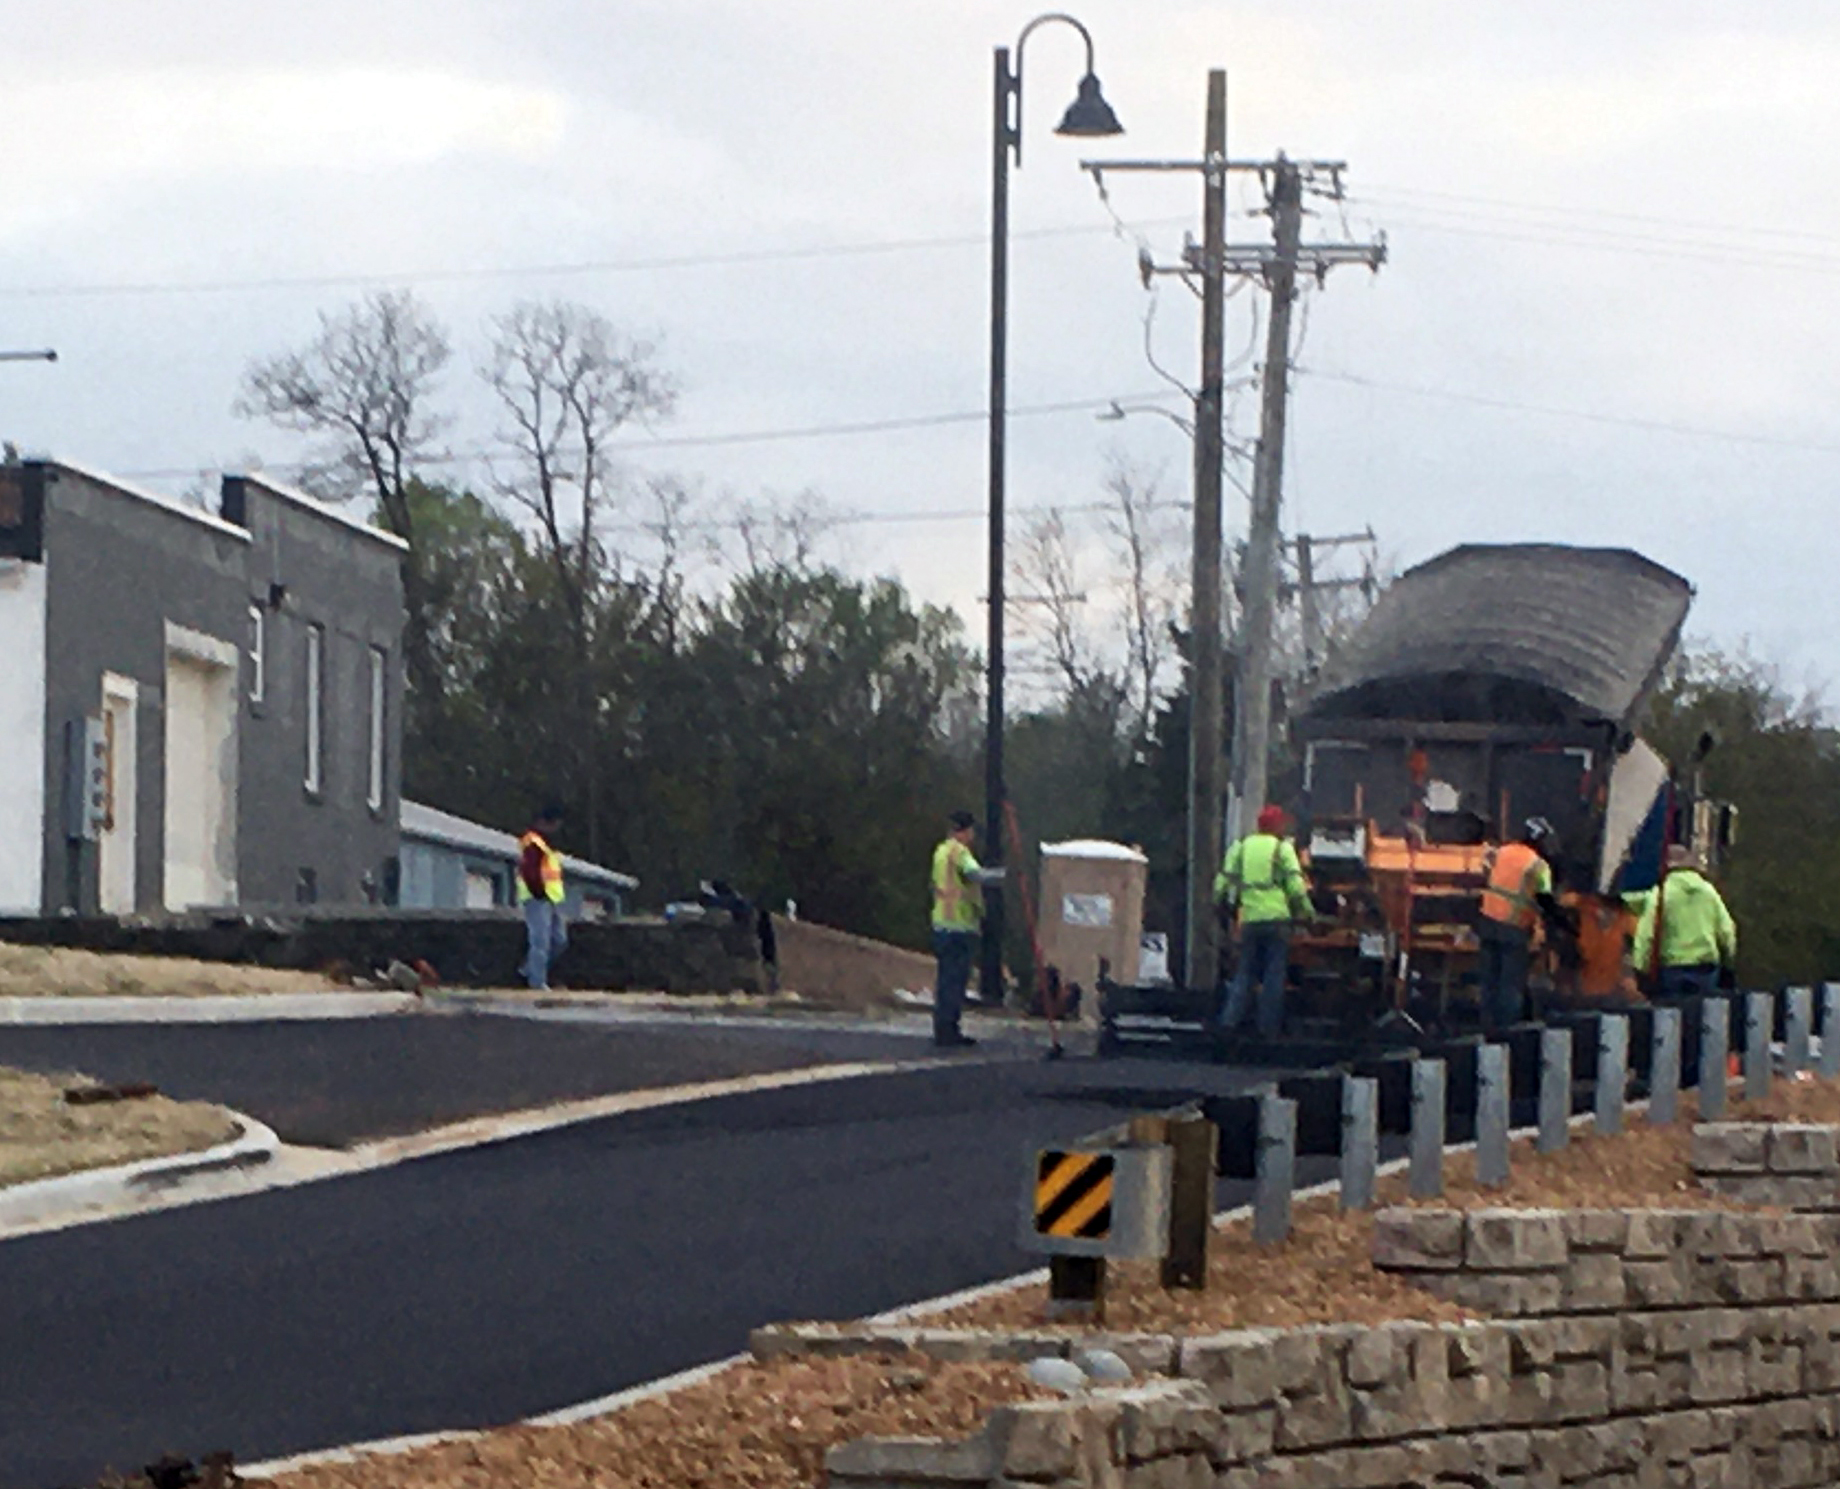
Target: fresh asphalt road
{"x": 333, "y": 1083}
{"x": 485, "y": 1285}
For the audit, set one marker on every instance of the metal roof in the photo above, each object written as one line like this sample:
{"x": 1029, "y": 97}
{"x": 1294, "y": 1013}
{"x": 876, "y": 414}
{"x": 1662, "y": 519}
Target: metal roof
{"x": 431, "y": 825}
{"x": 1490, "y": 632}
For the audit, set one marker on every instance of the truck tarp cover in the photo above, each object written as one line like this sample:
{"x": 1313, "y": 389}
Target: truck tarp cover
{"x": 1525, "y": 633}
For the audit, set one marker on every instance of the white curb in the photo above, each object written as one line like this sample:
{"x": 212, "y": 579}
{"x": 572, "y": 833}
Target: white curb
{"x": 64, "y": 1196}
{"x": 212, "y": 1009}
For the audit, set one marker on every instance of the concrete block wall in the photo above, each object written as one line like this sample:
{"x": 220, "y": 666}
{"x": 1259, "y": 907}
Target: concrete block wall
{"x": 1790, "y": 1165}
{"x": 1545, "y": 1263}
{"x": 1631, "y": 1349}
{"x": 1737, "y": 1398}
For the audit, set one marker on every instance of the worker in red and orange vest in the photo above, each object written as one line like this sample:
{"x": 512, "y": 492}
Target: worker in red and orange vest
{"x": 540, "y": 894}
{"x": 1520, "y": 880}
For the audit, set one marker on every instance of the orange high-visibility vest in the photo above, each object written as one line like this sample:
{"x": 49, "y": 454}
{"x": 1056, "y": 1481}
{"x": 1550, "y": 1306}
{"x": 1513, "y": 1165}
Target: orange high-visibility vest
{"x": 1514, "y": 880}
{"x": 552, "y": 870}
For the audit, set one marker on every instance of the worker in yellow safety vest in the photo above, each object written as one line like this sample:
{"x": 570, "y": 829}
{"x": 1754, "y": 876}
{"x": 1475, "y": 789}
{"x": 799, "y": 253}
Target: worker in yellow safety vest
{"x": 1520, "y": 881}
{"x": 1686, "y": 936}
{"x": 958, "y": 913}
{"x": 1263, "y": 879}
{"x": 540, "y": 895}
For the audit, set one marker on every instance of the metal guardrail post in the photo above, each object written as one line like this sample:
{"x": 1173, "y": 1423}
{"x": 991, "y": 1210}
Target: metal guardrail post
{"x": 1555, "y": 1089}
{"x": 1830, "y": 1028}
{"x": 1759, "y": 1025}
{"x": 1360, "y": 1140}
{"x": 1276, "y": 1170}
{"x": 1492, "y": 1115}
{"x": 1427, "y": 1140}
{"x": 1798, "y": 1030}
{"x": 1664, "y": 1067}
{"x": 1612, "y": 1086}
{"x": 1714, "y": 1057}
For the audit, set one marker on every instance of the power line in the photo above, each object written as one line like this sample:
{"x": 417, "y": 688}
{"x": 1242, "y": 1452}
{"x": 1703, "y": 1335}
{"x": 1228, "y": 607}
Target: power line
{"x": 749, "y": 437}
{"x": 1627, "y": 421}
{"x": 514, "y": 271}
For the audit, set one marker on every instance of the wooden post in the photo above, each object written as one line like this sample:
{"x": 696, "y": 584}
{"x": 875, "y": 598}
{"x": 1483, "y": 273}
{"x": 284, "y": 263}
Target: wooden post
{"x": 1612, "y": 1072}
{"x": 1492, "y": 1116}
{"x": 1427, "y": 1139}
{"x": 1830, "y": 1028}
{"x": 1664, "y": 1067}
{"x": 1555, "y": 1089}
{"x": 1276, "y": 1170}
{"x": 1759, "y": 1025}
{"x": 1360, "y": 1140}
{"x": 1797, "y": 1033}
{"x": 1194, "y": 1144}
{"x": 1714, "y": 1052}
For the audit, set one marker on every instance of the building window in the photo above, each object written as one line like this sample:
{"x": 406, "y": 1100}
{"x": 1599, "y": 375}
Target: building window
{"x": 258, "y": 654}
{"x": 380, "y": 672}
{"x": 315, "y": 701}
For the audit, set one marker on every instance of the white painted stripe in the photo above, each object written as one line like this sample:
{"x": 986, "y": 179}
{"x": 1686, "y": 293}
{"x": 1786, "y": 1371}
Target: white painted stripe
{"x": 211, "y": 1009}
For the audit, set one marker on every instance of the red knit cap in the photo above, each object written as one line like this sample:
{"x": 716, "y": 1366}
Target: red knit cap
{"x": 1271, "y": 819}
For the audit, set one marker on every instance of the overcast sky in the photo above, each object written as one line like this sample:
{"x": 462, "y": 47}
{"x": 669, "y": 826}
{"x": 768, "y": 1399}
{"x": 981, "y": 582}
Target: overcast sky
{"x": 1607, "y": 316}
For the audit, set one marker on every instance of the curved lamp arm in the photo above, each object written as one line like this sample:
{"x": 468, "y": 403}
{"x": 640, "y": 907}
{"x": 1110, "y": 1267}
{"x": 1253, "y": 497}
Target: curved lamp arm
{"x": 1012, "y": 129}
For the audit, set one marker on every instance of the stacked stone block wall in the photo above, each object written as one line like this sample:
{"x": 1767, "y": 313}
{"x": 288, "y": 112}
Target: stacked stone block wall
{"x": 1790, "y": 1165}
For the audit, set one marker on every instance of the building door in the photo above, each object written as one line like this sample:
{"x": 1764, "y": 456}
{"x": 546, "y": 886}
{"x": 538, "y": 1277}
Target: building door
{"x": 116, "y": 844}
{"x": 200, "y": 781}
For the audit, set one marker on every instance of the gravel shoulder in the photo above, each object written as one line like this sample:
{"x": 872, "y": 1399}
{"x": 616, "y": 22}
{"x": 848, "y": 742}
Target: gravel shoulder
{"x": 60, "y": 972}
{"x": 42, "y": 1135}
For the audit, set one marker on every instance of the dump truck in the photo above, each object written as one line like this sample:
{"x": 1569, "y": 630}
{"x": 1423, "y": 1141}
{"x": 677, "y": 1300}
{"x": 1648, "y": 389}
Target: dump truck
{"x": 1490, "y": 685}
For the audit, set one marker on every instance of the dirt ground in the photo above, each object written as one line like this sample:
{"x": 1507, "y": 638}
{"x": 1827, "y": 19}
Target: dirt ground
{"x": 41, "y": 1135}
{"x": 765, "y": 1426}
{"x": 55, "y": 972}
{"x": 757, "y": 1426}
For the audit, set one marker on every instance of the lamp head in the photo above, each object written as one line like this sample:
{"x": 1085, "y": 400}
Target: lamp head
{"x": 1089, "y": 115}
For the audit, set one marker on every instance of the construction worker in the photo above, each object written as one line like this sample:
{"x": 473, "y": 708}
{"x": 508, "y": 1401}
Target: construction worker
{"x": 1520, "y": 881}
{"x": 1686, "y": 936}
{"x": 540, "y": 894}
{"x": 958, "y": 911}
{"x": 1262, "y": 878}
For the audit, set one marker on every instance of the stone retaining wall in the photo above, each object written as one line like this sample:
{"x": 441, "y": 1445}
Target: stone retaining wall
{"x": 1534, "y": 1263}
{"x": 1651, "y": 1348}
{"x": 1794, "y": 1166}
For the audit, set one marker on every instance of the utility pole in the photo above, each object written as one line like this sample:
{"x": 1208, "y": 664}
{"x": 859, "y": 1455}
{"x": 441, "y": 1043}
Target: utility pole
{"x": 1277, "y": 266}
{"x": 1212, "y": 260}
{"x": 1202, "y": 944}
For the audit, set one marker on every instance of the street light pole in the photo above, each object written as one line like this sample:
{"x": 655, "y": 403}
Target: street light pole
{"x": 1088, "y": 115}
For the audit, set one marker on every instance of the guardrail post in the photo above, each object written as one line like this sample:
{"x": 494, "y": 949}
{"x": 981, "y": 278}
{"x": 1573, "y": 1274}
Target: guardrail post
{"x": 1555, "y": 1089}
{"x": 1830, "y": 1028}
{"x": 1714, "y": 1057}
{"x": 1759, "y": 1025}
{"x": 1492, "y": 1115}
{"x": 1427, "y": 1140}
{"x": 1664, "y": 1067}
{"x": 1276, "y": 1170}
{"x": 1360, "y": 1140}
{"x": 1798, "y": 1029}
{"x": 1612, "y": 1072}
{"x": 1193, "y": 1143}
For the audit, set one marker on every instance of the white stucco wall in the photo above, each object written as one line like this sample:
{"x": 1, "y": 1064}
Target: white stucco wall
{"x": 22, "y": 736}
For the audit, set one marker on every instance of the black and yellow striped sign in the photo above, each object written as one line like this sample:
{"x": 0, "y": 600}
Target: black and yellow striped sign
{"x": 1073, "y": 1194}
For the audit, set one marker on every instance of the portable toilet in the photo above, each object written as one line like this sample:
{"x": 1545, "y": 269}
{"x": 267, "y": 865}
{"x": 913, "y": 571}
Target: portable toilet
{"x": 1092, "y": 910}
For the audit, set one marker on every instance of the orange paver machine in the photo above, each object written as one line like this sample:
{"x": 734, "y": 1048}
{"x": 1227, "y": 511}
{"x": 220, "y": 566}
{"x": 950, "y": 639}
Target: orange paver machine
{"x": 1488, "y": 686}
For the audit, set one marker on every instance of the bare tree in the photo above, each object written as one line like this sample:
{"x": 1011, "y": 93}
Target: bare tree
{"x": 363, "y": 386}
{"x": 1150, "y": 580}
{"x": 1050, "y": 598}
{"x": 567, "y": 381}
{"x": 777, "y": 533}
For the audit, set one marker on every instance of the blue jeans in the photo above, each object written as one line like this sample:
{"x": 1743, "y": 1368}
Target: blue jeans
{"x": 953, "y": 951}
{"x": 1502, "y": 976}
{"x": 1683, "y": 982}
{"x": 546, "y": 937}
{"x": 1264, "y": 959}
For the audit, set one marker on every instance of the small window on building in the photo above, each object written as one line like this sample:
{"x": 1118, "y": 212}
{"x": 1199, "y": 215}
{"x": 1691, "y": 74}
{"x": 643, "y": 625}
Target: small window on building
{"x": 380, "y": 672}
{"x": 315, "y": 703}
{"x": 258, "y": 654}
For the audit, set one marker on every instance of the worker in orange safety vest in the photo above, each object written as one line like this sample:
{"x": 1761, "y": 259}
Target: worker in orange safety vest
{"x": 540, "y": 894}
{"x": 1520, "y": 881}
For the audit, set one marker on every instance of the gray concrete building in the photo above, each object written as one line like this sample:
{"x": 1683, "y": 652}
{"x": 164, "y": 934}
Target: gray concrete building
{"x": 197, "y": 708}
